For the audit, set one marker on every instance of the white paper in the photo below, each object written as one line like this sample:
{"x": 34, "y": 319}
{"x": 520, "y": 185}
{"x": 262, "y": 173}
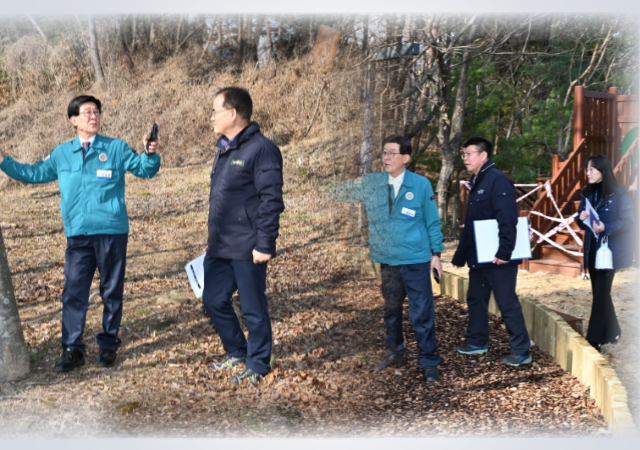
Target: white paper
{"x": 488, "y": 242}
{"x": 195, "y": 272}
{"x": 593, "y": 217}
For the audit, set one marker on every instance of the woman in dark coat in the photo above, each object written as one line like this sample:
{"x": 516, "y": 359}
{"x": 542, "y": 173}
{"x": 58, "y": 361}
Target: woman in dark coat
{"x": 615, "y": 210}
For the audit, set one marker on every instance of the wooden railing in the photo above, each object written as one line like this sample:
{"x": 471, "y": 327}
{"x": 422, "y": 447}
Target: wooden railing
{"x": 564, "y": 183}
{"x": 626, "y": 171}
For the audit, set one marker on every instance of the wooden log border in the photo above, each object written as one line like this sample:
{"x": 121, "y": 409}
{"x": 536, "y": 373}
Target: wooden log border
{"x": 569, "y": 349}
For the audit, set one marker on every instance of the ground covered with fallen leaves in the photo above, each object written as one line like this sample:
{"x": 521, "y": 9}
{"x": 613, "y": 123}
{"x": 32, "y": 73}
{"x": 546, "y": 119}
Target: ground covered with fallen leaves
{"x": 327, "y": 328}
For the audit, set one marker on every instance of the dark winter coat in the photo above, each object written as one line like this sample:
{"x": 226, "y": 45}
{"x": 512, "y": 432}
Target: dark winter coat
{"x": 245, "y": 202}
{"x": 616, "y": 212}
{"x": 492, "y": 196}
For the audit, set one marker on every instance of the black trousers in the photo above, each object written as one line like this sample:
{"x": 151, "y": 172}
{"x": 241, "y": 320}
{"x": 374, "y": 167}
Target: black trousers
{"x": 107, "y": 252}
{"x": 222, "y": 277}
{"x": 502, "y": 281}
{"x": 603, "y": 323}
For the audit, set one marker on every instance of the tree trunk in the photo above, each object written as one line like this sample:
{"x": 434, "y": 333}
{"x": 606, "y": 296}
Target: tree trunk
{"x": 123, "y": 45}
{"x": 38, "y": 29}
{"x": 366, "y": 149}
{"x": 14, "y": 359}
{"x": 151, "y": 43}
{"x": 267, "y": 28}
{"x": 95, "y": 55}
{"x": 450, "y": 130}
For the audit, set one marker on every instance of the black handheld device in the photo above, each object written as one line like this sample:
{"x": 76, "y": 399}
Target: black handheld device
{"x": 153, "y": 136}
{"x": 436, "y": 276}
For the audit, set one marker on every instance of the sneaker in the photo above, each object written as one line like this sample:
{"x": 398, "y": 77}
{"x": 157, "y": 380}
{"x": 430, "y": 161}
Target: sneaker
{"x": 228, "y": 362}
{"x": 468, "y": 349}
{"x": 252, "y": 377}
{"x": 107, "y": 358}
{"x": 71, "y": 358}
{"x": 430, "y": 374}
{"x": 393, "y": 360}
{"x": 515, "y": 360}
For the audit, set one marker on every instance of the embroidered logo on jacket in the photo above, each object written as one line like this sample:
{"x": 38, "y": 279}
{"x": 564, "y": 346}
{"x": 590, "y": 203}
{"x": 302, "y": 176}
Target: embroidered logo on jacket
{"x": 102, "y": 157}
{"x": 237, "y": 162}
{"x": 409, "y": 195}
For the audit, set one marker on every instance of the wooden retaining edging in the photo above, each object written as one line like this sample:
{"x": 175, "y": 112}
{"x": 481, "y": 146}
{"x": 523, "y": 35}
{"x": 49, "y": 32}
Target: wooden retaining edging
{"x": 569, "y": 349}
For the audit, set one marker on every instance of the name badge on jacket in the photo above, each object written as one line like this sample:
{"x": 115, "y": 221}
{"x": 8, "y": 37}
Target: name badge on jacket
{"x": 105, "y": 174}
{"x": 408, "y": 212}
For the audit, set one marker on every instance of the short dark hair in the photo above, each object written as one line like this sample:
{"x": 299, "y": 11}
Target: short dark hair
{"x": 74, "y": 105}
{"x": 482, "y": 144}
{"x": 403, "y": 142}
{"x": 238, "y": 99}
{"x": 604, "y": 166}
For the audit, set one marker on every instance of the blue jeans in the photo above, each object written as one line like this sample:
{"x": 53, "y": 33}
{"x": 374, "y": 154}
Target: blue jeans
{"x": 222, "y": 277}
{"x": 413, "y": 281}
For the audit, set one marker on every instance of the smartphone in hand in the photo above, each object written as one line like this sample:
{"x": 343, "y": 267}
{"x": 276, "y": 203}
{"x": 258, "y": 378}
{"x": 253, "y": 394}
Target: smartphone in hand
{"x": 435, "y": 275}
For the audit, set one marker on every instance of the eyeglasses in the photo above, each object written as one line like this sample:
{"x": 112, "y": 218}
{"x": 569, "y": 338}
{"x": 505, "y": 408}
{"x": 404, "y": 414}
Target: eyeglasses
{"x": 389, "y": 154}
{"x": 214, "y": 113}
{"x": 467, "y": 154}
{"x": 89, "y": 113}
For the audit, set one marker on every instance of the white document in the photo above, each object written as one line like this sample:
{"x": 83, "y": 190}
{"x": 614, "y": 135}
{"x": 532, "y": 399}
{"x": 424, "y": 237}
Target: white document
{"x": 487, "y": 241}
{"x": 195, "y": 272}
{"x": 593, "y": 217}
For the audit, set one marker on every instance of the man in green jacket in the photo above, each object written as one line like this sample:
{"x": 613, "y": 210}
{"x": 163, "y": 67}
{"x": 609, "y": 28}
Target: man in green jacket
{"x": 90, "y": 171}
{"x": 405, "y": 237}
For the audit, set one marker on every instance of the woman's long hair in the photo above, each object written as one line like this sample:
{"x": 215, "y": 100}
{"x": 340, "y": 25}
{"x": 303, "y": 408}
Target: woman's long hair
{"x": 603, "y": 165}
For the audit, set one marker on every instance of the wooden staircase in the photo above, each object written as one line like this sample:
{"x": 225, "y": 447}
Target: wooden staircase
{"x": 601, "y": 120}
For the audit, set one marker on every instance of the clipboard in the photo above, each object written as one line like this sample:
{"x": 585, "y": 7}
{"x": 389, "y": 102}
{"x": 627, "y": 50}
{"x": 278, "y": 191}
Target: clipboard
{"x": 487, "y": 240}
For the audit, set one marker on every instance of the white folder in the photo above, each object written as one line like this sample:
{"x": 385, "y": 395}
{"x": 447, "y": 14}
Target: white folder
{"x": 487, "y": 241}
{"x": 195, "y": 272}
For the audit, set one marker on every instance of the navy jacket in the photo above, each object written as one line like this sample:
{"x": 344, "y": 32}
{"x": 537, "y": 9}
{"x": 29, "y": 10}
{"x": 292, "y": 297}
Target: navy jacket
{"x": 616, "y": 212}
{"x": 246, "y": 197}
{"x": 492, "y": 196}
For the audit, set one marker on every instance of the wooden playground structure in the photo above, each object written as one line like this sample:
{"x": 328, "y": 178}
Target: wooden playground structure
{"x": 604, "y": 123}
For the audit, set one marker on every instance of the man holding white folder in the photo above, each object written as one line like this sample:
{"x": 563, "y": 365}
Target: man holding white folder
{"x": 492, "y": 196}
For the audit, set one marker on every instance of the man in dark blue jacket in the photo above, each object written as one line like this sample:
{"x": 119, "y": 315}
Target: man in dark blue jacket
{"x": 244, "y": 211}
{"x": 492, "y": 196}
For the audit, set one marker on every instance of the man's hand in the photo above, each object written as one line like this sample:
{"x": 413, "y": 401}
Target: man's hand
{"x": 584, "y": 215}
{"x": 499, "y": 261}
{"x": 259, "y": 257}
{"x": 436, "y": 264}
{"x": 153, "y": 146}
{"x": 598, "y": 227}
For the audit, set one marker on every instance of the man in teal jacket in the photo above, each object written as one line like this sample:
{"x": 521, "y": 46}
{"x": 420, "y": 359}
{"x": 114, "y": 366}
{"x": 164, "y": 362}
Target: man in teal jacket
{"x": 90, "y": 171}
{"x": 405, "y": 237}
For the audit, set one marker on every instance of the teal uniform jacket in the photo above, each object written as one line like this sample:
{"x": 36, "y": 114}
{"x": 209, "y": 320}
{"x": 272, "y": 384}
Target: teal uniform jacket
{"x": 411, "y": 232}
{"x": 91, "y": 190}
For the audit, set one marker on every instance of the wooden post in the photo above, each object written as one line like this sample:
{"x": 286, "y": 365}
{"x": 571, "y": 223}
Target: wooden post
{"x": 615, "y": 132}
{"x": 578, "y": 116}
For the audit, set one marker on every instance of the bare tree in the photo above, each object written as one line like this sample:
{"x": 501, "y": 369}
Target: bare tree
{"x": 14, "y": 359}
{"x": 38, "y": 29}
{"x": 95, "y": 54}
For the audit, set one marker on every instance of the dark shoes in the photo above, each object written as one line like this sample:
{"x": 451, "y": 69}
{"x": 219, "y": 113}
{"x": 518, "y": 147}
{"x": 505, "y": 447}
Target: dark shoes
{"x": 515, "y": 360}
{"x": 430, "y": 374}
{"x": 391, "y": 360}
{"x": 107, "y": 358}
{"x": 252, "y": 378}
{"x": 468, "y": 349}
{"x": 71, "y": 358}
{"x": 228, "y": 362}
